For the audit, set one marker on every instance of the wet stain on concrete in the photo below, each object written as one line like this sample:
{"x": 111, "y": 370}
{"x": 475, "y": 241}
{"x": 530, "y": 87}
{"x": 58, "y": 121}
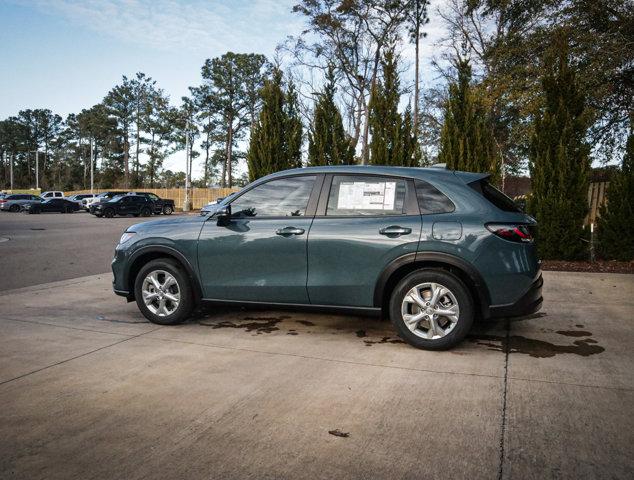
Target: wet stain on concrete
{"x": 369, "y": 343}
{"x": 258, "y": 325}
{"x": 306, "y": 323}
{"x": 579, "y": 326}
{"x": 536, "y": 348}
{"x": 361, "y": 333}
{"x": 339, "y": 433}
{"x": 292, "y": 332}
{"x": 574, "y": 333}
{"x": 37, "y": 229}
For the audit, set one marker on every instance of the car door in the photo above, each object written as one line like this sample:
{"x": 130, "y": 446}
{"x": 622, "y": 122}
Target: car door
{"x": 363, "y": 223}
{"x": 260, "y": 254}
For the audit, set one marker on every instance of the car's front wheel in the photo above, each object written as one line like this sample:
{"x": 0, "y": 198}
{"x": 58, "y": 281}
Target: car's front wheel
{"x": 146, "y": 212}
{"x": 167, "y": 210}
{"x": 163, "y": 292}
{"x": 14, "y": 208}
{"x": 431, "y": 309}
{"x": 108, "y": 213}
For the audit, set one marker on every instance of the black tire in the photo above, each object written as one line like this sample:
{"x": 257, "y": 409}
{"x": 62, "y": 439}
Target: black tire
{"x": 461, "y": 294}
{"x": 14, "y": 208}
{"x": 186, "y": 304}
{"x": 167, "y": 210}
{"x": 97, "y": 215}
{"x": 146, "y": 212}
{"x": 108, "y": 213}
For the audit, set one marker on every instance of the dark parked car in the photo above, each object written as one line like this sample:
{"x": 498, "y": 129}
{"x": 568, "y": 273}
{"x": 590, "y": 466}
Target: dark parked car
{"x": 101, "y": 198}
{"x": 430, "y": 247}
{"x": 125, "y": 205}
{"x": 60, "y": 205}
{"x": 17, "y": 201}
{"x": 161, "y": 205}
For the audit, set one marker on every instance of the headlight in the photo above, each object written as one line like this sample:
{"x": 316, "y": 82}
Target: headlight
{"x": 126, "y": 236}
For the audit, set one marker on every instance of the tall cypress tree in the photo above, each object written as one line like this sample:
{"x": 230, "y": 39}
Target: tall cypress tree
{"x": 615, "y": 232}
{"x": 328, "y": 143}
{"x": 276, "y": 138}
{"x": 409, "y": 149}
{"x": 559, "y": 163}
{"x": 385, "y": 121}
{"x": 466, "y": 139}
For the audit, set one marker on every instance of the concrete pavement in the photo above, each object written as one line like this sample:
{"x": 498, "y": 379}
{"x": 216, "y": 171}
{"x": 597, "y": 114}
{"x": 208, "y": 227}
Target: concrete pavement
{"x": 91, "y": 390}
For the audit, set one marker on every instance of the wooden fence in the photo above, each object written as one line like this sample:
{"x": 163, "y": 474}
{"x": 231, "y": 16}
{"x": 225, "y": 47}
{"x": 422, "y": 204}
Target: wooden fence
{"x": 199, "y": 196}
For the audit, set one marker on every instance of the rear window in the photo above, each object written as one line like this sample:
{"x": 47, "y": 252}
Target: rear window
{"x": 431, "y": 200}
{"x": 496, "y": 197}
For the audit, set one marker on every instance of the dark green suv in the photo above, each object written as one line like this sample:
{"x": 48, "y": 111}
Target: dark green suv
{"x": 432, "y": 248}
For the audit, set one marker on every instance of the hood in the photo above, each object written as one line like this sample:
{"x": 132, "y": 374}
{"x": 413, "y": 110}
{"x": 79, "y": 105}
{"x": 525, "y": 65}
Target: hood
{"x": 166, "y": 222}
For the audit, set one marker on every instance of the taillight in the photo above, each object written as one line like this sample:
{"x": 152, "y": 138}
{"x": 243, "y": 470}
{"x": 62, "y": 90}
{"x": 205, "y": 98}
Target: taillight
{"x": 513, "y": 233}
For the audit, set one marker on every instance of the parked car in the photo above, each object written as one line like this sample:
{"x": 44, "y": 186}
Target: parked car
{"x": 52, "y": 194}
{"x": 17, "y": 201}
{"x": 161, "y": 205}
{"x": 60, "y": 205}
{"x": 125, "y": 205}
{"x": 101, "y": 198}
{"x": 432, "y": 248}
{"x": 81, "y": 198}
{"x": 213, "y": 205}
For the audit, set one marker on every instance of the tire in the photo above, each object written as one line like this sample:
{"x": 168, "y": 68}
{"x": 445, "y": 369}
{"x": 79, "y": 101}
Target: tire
{"x": 14, "y": 208}
{"x": 431, "y": 331}
{"x": 146, "y": 212}
{"x": 167, "y": 210}
{"x": 161, "y": 268}
{"x": 108, "y": 213}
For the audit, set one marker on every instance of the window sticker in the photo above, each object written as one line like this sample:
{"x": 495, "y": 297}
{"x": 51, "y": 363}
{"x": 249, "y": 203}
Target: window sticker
{"x": 366, "y": 196}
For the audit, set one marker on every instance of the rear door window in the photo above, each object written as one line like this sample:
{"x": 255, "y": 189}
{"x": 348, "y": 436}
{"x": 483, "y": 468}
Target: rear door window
{"x": 366, "y": 195}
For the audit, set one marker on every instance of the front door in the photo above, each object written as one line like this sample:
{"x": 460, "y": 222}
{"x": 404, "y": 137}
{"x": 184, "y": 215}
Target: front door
{"x": 363, "y": 222}
{"x": 260, "y": 254}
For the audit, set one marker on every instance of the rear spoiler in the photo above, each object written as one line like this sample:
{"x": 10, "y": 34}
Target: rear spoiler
{"x": 471, "y": 177}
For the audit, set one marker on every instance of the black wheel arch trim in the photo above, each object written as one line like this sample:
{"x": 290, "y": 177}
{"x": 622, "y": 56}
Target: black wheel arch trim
{"x": 182, "y": 259}
{"x": 476, "y": 279}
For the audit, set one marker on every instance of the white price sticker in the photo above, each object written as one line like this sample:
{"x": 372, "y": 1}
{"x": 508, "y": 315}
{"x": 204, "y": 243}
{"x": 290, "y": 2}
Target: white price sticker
{"x": 366, "y": 196}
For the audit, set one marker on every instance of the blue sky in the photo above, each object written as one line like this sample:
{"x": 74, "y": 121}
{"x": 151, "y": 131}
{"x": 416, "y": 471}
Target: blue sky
{"x": 66, "y": 54}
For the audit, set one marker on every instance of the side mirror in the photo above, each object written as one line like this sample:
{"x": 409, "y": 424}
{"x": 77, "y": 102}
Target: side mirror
{"x": 223, "y": 215}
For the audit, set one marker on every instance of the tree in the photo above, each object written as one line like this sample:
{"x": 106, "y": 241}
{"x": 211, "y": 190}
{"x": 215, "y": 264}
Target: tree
{"x": 417, "y": 17}
{"x": 614, "y": 229}
{"x": 120, "y": 104}
{"x": 157, "y": 125}
{"x": 328, "y": 143}
{"x": 466, "y": 139}
{"x": 276, "y": 137}
{"x": 143, "y": 90}
{"x": 384, "y": 120}
{"x": 559, "y": 161}
{"x": 409, "y": 149}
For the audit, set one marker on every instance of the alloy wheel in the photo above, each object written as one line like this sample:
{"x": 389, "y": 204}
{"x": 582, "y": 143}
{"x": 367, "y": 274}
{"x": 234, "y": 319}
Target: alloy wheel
{"x": 161, "y": 293}
{"x": 430, "y": 310}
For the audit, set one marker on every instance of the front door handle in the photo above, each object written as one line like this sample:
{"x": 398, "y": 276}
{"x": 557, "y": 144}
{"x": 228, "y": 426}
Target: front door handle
{"x": 288, "y": 231}
{"x": 395, "y": 231}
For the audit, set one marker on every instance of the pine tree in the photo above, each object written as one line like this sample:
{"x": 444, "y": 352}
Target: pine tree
{"x": 615, "y": 232}
{"x": 385, "y": 121}
{"x": 276, "y": 137}
{"x": 328, "y": 143}
{"x": 409, "y": 149}
{"x": 559, "y": 164}
{"x": 466, "y": 139}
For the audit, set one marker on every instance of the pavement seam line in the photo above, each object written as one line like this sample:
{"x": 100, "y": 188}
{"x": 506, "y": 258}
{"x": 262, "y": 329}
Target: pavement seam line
{"x": 9, "y": 319}
{"x": 309, "y": 357}
{"x": 569, "y": 384}
{"x": 48, "y": 286}
{"x": 504, "y": 399}
{"x": 76, "y": 357}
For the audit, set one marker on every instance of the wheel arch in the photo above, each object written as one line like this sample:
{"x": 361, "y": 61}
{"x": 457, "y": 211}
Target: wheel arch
{"x": 411, "y": 262}
{"x": 147, "y": 254}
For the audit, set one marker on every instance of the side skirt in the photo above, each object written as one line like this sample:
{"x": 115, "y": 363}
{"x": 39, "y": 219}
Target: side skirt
{"x": 373, "y": 311}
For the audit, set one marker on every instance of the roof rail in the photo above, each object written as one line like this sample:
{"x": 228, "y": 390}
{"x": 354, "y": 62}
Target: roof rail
{"x": 439, "y": 165}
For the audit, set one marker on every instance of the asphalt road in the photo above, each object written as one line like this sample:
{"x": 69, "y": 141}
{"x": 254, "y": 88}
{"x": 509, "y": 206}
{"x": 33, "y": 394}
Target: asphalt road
{"x": 49, "y": 247}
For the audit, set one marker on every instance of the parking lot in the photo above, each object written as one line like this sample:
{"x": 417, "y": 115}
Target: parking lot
{"x": 90, "y": 389}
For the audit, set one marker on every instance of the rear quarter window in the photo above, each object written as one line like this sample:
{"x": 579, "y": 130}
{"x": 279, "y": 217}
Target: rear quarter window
{"x": 431, "y": 200}
{"x": 496, "y": 197}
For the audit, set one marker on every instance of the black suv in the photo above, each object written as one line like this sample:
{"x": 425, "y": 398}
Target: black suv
{"x": 103, "y": 197}
{"x": 125, "y": 205}
{"x": 161, "y": 205}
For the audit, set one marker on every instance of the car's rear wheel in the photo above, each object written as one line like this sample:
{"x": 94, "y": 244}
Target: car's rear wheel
{"x": 431, "y": 309}
{"x": 163, "y": 292}
{"x": 146, "y": 212}
{"x": 14, "y": 208}
{"x": 108, "y": 213}
{"x": 167, "y": 210}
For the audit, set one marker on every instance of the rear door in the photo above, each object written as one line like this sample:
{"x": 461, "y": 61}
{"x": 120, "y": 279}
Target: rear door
{"x": 363, "y": 222}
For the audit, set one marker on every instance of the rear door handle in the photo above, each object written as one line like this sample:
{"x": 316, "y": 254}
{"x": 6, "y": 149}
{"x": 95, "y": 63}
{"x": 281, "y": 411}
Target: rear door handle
{"x": 395, "y": 231}
{"x": 287, "y": 231}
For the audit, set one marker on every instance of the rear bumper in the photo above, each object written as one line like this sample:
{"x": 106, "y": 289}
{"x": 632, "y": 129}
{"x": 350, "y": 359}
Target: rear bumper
{"x": 528, "y": 303}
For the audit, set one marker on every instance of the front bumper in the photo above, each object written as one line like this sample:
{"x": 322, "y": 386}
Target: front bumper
{"x": 528, "y": 303}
